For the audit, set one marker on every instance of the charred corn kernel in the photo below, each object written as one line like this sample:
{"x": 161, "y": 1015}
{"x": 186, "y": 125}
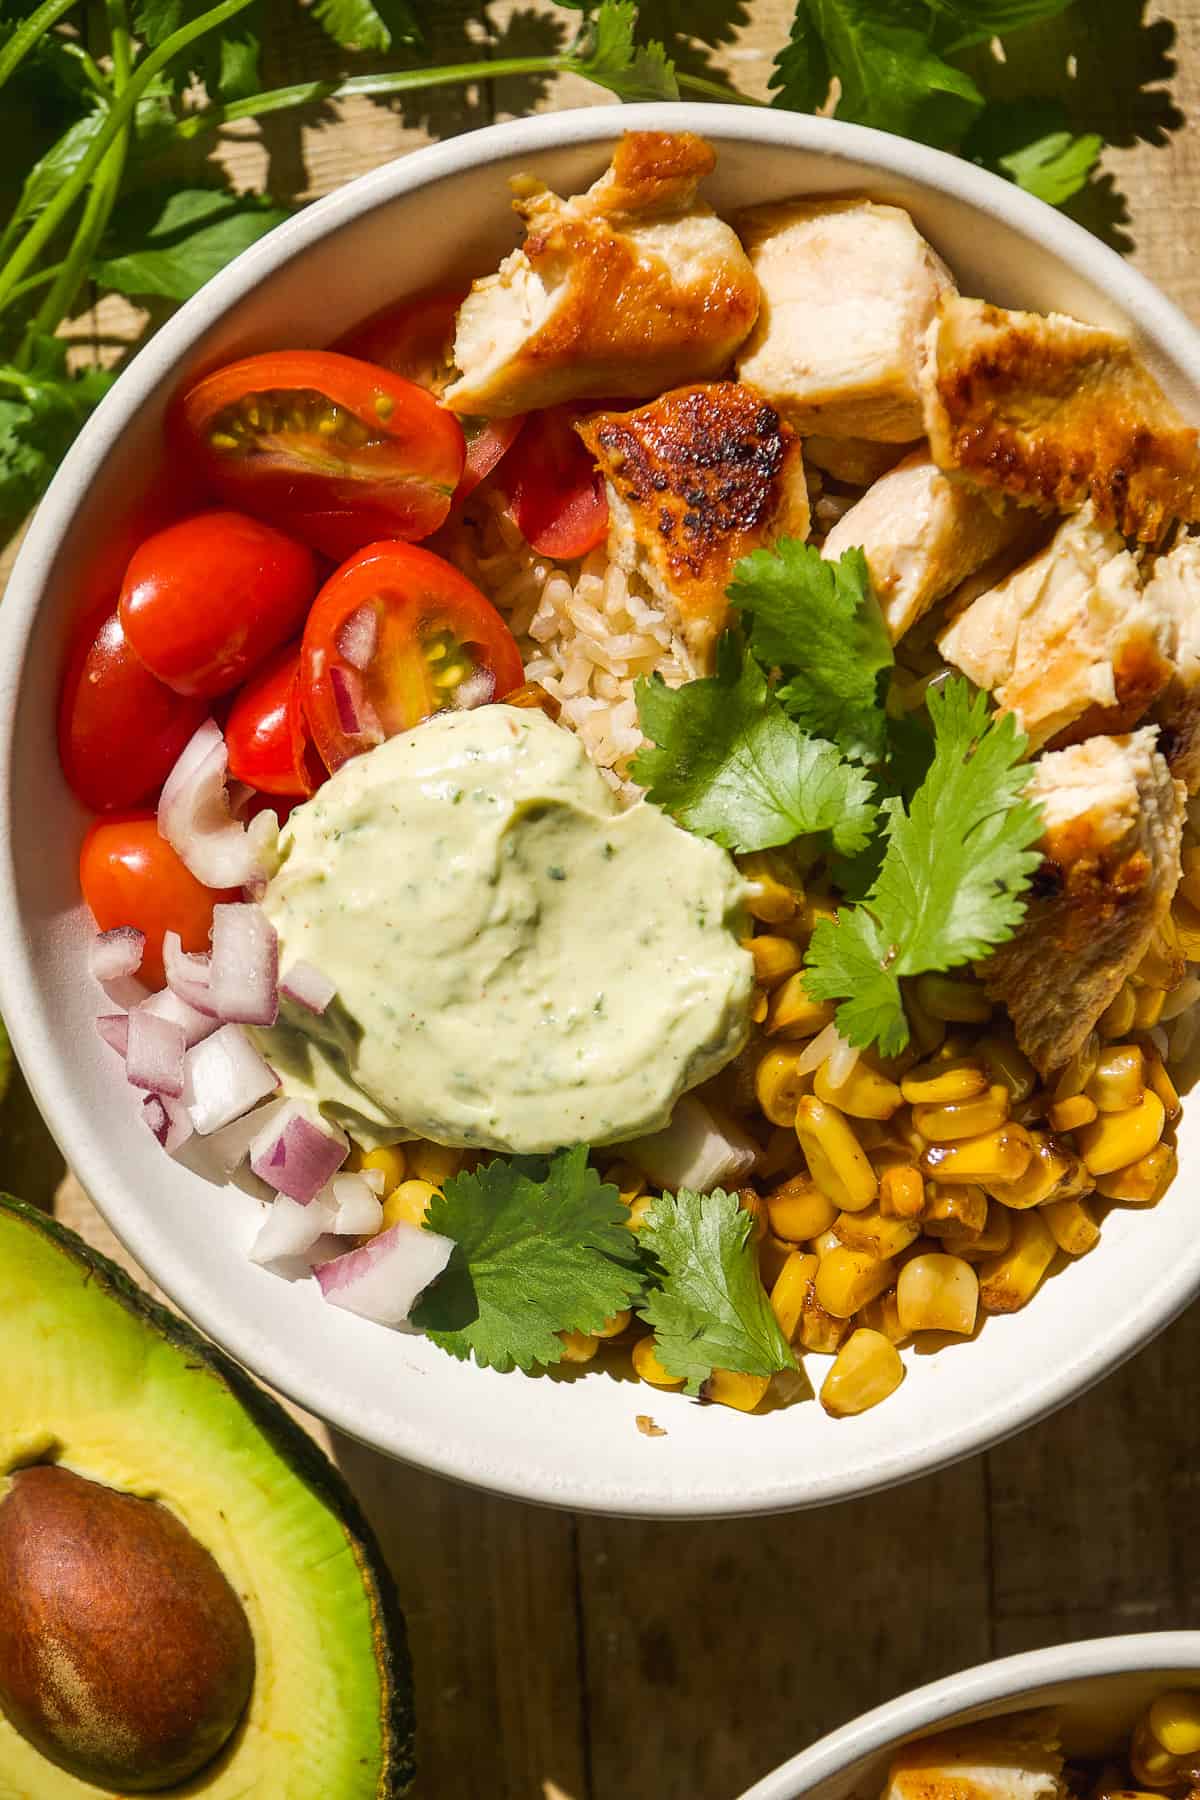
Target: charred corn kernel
{"x": 1009, "y": 1281}
{"x": 948, "y": 1084}
{"x": 779, "y": 1085}
{"x": 1008, "y": 1065}
{"x": 390, "y": 1162}
{"x": 773, "y": 1252}
{"x": 628, "y": 1181}
{"x": 1143, "y": 1182}
{"x": 847, "y": 1279}
{"x": 1000, "y": 1155}
{"x": 792, "y": 1014}
{"x": 1118, "y": 1079}
{"x": 407, "y": 1204}
{"x": 863, "y": 1094}
{"x": 1069, "y": 1115}
{"x": 1072, "y": 1226}
{"x": 790, "y": 1290}
{"x": 799, "y": 1210}
{"x": 882, "y": 1314}
{"x": 902, "y": 1192}
{"x": 1079, "y": 1070}
{"x": 578, "y": 1346}
{"x": 975, "y": 1246}
{"x": 869, "y": 1230}
{"x": 728, "y": 1388}
{"x": 1047, "y": 1176}
{"x": 952, "y": 1120}
{"x": 866, "y": 1370}
{"x": 756, "y": 1206}
{"x": 1148, "y": 1008}
{"x": 647, "y": 1367}
{"x": 927, "y": 1032}
{"x": 959, "y": 1002}
{"x": 1156, "y": 1077}
{"x": 820, "y": 1331}
{"x": 964, "y": 1208}
{"x": 1118, "y": 1138}
{"x": 937, "y": 1292}
{"x": 1174, "y": 1720}
{"x": 613, "y": 1327}
{"x": 836, "y": 1159}
{"x": 637, "y": 1211}
{"x": 770, "y": 900}
{"x": 1118, "y": 1016}
{"x": 435, "y": 1163}
{"x": 775, "y": 958}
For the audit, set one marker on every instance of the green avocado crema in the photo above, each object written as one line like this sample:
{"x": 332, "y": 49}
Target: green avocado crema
{"x": 520, "y": 964}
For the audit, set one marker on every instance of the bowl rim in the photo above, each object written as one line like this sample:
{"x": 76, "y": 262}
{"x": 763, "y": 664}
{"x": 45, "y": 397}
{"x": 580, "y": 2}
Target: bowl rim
{"x": 45, "y": 1069}
{"x": 1005, "y": 1678}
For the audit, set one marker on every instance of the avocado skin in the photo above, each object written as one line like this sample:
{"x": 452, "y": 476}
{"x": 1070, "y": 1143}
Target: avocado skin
{"x": 310, "y": 1466}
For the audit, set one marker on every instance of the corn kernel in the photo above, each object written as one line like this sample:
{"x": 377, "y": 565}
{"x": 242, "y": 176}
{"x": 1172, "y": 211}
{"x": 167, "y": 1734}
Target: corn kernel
{"x": 578, "y": 1346}
{"x": 772, "y": 1254}
{"x": 790, "y": 1290}
{"x": 759, "y": 1006}
{"x": 753, "y": 1203}
{"x": 864, "y": 1094}
{"x": 1148, "y": 1008}
{"x": 1053, "y": 1170}
{"x": 882, "y": 1314}
{"x": 434, "y": 1163}
{"x": 1009, "y": 1281}
{"x": 944, "y": 1084}
{"x": 962, "y": 1208}
{"x": 390, "y": 1162}
{"x": 1143, "y": 1182}
{"x": 825, "y": 1241}
{"x": 1156, "y": 1077}
{"x": 1118, "y": 1016}
{"x": 1174, "y": 1719}
{"x": 836, "y": 1160}
{"x": 775, "y": 958}
{"x": 407, "y": 1204}
{"x": 781, "y": 1156}
{"x": 1008, "y": 1065}
{"x": 638, "y": 1210}
{"x": 1186, "y": 918}
{"x": 613, "y": 1327}
{"x": 647, "y": 1367}
{"x": 975, "y": 1246}
{"x": 1069, "y": 1115}
{"x": 952, "y": 1120}
{"x": 779, "y": 1085}
{"x": 820, "y": 1331}
{"x": 1117, "y": 1081}
{"x": 792, "y": 1014}
{"x": 1000, "y": 1155}
{"x": 867, "y": 1369}
{"x": 798, "y": 1210}
{"x": 960, "y": 1002}
{"x": 628, "y": 1181}
{"x": 902, "y": 1192}
{"x": 927, "y": 1032}
{"x": 1080, "y": 1069}
{"x": 1118, "y": 1138}
{"x": 1072, "y": 1226}
{"x": 770, "y": 900}
{"x": 871, "y": 1232}
{"x": 728, "y": 1388}
{"x": 847, "y": 1279}
{"x": 936, "y": 1292}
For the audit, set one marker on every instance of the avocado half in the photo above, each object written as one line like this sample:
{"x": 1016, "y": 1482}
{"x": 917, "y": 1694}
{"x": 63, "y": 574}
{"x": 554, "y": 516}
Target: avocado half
{"x": 95, "y": 1376}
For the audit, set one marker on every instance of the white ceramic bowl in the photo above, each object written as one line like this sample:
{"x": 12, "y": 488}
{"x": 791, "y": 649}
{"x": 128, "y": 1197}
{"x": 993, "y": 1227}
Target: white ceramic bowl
{"x": 1099, "y": 1686}
{"x": 436, "y": 215}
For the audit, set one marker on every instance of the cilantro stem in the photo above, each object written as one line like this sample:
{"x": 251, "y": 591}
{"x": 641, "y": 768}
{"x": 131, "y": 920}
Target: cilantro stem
{"x": 27, "y": 34}
{"x": 31, "y": 283}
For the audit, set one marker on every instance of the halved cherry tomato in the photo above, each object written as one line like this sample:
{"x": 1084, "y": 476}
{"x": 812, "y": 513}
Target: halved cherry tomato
{"x": 336, "y": 450}
{"x": 556, "y": 495}
{"x": 416, "y": 340}
{"x": 267, "y": 736}
{"x": 120, "y": 731}
{"x": 396, "y": 635}
{"x": 131, "y": 876}
{"x": 204, "y": 601}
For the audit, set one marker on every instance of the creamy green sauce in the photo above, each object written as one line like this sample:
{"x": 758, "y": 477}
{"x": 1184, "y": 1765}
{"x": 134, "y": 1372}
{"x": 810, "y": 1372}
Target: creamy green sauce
{"x": 520, "y": 964}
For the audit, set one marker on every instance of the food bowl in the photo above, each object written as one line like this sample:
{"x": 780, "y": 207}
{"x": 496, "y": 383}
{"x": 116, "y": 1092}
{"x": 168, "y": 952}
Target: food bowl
{"x": 1100, "y": 1687}
{"x": 432, "y": 218}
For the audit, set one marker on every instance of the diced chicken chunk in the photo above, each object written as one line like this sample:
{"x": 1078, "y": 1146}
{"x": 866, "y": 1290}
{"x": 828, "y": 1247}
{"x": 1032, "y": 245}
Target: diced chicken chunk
{"x": 1114, "y": 820}
{"x": 1174, "y": 591}
{"x": 921, "y": 534}
{"x": 848, "y": 290}
{"x": 1069, "y": 642}
{"x": 1055, "y": 413}
{"x": 628, "y": 289}
{"x": 856, "y": 461}
{"x": 1002, "y": 1759}
{"x": 696, "y": 480}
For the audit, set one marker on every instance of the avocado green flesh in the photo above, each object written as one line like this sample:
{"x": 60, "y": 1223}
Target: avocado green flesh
{"x": 96, "y": 1377}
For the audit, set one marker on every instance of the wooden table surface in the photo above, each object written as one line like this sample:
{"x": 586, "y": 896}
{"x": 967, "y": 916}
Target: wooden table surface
{"x": 597, "y": 1659}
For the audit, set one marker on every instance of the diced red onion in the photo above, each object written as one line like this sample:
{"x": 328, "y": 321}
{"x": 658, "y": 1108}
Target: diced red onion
{"x": 223, "y": 1077}
{"x": 168, "y": 1005}
{"x": 154, "y": 1053}
{"x": 308, "y": 987}
{"x": 299, "y": 1152}
{"x": 168, "y": 1120}
{"x": 476, "y": 690}
{"x": 374, "y": 1179}
{"x": 188, "y": 973}
{"x": 114, "y": 1029}
{"x": 696, "y": 1150}
{"x": 115, "y": 953}
{"x": 243, "y": 982}
{"x": 826, "y": 1043}
{"x": 195, "y": 818}
{"x": 356, "y": 715}
{"x": 359, "y": 1212}
{"x": 382, "y": 1279}
{"x": 358, "y": 636}
{"x": 290, "y": 1229}
{"x": 225, "y": 1150}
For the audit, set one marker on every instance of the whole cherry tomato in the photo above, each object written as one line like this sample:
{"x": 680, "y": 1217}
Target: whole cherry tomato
{"x": 396, "y": 635}
{"x": 131, "y": 876}
{"x": 339, "y": 451}
{"x": 556, "y": 495}
{"x": 266, "y": 734}
{"x": 416, "y": 340}
{"x": 204, "y": 601}
{"x": 120, "y": 730}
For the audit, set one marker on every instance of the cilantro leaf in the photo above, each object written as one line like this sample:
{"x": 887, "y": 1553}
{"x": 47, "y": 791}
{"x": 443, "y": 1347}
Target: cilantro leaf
{"x": 41, "y": 409}
{"x": 729, "y": 764}
{"x": 542, "y": 1246}
{"x": 711, "y": 1310}
{"x": 170, "y": 241}
{"x": 954, "y": 874}
{"x": 367, "y": 25}
{"x": 991, "y": 17}
{"x": 609, "y": 55}
{"x": 1031, "y": 143}
{"x": 820, "y": 623}
{"x": 801, "y": 74}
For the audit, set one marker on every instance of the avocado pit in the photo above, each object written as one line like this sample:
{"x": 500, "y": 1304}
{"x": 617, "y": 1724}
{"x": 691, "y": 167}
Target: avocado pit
{"x": 125, "y": 1655}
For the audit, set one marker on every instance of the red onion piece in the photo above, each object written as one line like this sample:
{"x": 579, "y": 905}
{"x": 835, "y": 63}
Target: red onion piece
{"x": 299, "y": 1152}
{"x": 359, "y": 1212}
{"x": 374, "y": 1180}
{"x": 476, "y": 690}
{"x": 307, "y": 987}
{"x": 356, "y": 716}
{"x": 244, "y": 974}
{"x": 290, "y": 1229}
{"x": 114, "y": 1029}
{"x": 696, "y": 1150}
{"x": 195, "y": 818}
{"x": 226, "y": 1149}
{"x": 115, "y": 953}
{"x": 223, "y": 1077}
{"x": 168, "y": 1120}
{"x": 154, "y": 1054}
{"x": 188, "y": 974}
{"x": 168, "y": 1005}
{"x": 382, "y": 1279}
{"x": 358, "y": 636}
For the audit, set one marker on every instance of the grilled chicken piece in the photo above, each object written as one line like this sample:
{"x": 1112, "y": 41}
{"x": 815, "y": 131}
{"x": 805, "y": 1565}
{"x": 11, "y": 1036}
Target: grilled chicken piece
{"x": 849, "y": 288}
{"x": 696, "y": 480}
{"x": 922, "y": 534}
{"x": 1069, "y": 642}
{"x": 1114, "y": 819}
{"x": 1056, "y": 413}
{"x": 1001, "y": 1759}
{"x": 628, "y": 289}
{"x": 1174, "y": 591}
{"x": 856, "y": 461}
